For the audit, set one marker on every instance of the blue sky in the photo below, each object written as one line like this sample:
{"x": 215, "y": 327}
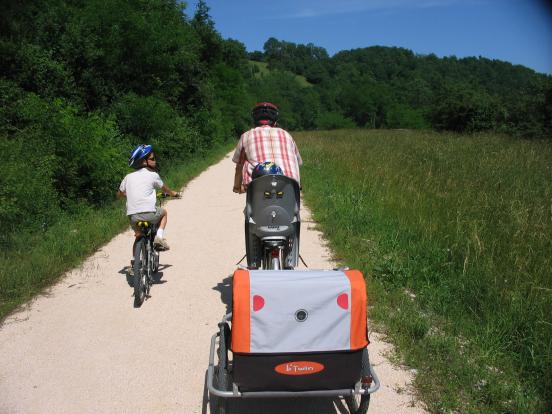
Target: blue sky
{"x": 517, "y": 31}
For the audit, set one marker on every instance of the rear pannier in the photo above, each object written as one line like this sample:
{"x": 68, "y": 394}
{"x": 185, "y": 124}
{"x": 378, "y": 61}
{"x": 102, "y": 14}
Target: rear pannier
{"x": 298, "y": 329}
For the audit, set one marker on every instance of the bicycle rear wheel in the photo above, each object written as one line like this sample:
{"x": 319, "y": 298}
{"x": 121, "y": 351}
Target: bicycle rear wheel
{"x": 272, "y": 258}
{"x": 140, "y": 272}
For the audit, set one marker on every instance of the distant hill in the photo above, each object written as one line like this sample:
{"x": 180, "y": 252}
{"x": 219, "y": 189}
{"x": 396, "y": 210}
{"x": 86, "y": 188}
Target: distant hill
{"x": 390, "y": 87}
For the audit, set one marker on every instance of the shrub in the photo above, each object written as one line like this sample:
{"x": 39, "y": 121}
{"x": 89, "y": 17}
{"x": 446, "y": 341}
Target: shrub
{"x": 402, "y": 116}
{"x": 334, "y": 120}
{"x": 152, "y": 120}
{"x": 27, "y": 193}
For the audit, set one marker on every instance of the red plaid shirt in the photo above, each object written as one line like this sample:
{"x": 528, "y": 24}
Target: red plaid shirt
{"x": 267, "y": 143}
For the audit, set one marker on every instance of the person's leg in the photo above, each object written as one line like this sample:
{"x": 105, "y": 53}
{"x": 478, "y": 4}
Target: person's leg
{"x": 137, "y": 234}
{"x": 135, "y": 218}
{"x": 161, "y": 219}
{"x": 162, "y": 223}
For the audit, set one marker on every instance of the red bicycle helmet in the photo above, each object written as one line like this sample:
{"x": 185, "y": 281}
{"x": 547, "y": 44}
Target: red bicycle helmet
{"x": 264, "y": 113}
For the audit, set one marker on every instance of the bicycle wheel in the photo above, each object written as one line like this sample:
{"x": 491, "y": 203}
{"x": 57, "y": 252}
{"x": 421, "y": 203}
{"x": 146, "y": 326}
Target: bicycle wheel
{"x": 219, "y": 405}
{"x": 222, "y": 381}
{"x": 272, "y": 258}
{"x": 140, "y": 272}
{"x": 275, "y": 263}
{"x": 155, "y": 261}
{"x": 151, "y": 266}
{"x": 358, "y": 404}
{"x": 265, "y": 261}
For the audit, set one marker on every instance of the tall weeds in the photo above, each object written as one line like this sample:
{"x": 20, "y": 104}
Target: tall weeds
{"x": 455, "y": 234}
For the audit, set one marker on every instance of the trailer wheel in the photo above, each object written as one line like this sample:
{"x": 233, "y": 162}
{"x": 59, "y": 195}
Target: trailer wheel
{"x": 358, "y": 404}
{"x": 219, "y": 405}
{"x": 221, "y": 378}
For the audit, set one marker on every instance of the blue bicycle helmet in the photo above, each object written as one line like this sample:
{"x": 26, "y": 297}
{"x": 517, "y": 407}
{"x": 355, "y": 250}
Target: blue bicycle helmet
{"x": 138, "y": 154}
{"x": 266, "y": 168}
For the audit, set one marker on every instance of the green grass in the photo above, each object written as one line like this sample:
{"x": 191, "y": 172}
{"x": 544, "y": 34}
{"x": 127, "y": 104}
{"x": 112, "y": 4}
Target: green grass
{"x": 454, "y": 234}
{"x": 36, "y": 260}
{"x": 263, "y": 71}
{"x": 262, "y": 66}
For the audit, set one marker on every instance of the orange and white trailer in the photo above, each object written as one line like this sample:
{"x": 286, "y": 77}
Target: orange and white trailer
{"x": 294, "y": 333}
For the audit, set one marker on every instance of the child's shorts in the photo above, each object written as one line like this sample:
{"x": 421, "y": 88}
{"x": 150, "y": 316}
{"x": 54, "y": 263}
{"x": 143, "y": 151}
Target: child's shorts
{"x": 152, "y": 217}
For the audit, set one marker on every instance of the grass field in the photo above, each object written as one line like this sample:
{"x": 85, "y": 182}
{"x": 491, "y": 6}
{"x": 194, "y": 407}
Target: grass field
{"x": 263, "y": 71}
{"x": 38, "y": 259}
{"x": 454, "y": 234}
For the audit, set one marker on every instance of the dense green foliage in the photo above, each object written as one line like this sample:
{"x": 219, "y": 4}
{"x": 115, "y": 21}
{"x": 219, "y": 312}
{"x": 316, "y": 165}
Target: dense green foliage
{"x": 82, "y": 82}
{"x": 383, "y": 87}
{"x": 455, "y": 233}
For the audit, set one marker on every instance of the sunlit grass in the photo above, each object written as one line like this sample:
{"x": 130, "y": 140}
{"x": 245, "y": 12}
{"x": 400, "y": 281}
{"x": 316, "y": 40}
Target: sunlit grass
{"x": 455, "y": 235}
{"x": 263, "y": 70}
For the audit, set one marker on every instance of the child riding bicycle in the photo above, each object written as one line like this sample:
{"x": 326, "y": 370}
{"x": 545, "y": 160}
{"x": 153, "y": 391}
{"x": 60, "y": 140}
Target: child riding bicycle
{"x": 140, "y": 189}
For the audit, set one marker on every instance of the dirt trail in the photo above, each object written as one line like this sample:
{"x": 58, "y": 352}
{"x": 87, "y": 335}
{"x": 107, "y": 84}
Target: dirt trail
{"x": 83, "y": 348}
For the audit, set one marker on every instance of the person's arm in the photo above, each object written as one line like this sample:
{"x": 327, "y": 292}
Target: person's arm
{"x": 238, "y": 185}
{"x": 167, "y": 190}
{"x": 299, "y": 159}
{"x": 239, "y": 159}
{"x": 158, "y": 184}
{"x": 121, "y": 193}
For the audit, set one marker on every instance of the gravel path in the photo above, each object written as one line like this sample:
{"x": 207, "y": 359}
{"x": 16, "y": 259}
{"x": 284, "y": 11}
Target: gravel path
{"x": 82, "y": 348}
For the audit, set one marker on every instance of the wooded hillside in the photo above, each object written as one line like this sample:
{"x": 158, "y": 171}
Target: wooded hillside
{"x": 383, "y": 87}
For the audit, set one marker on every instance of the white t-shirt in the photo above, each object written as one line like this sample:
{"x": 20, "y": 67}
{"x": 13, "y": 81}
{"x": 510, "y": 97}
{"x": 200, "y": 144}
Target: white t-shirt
{"x": 140, "y": 187}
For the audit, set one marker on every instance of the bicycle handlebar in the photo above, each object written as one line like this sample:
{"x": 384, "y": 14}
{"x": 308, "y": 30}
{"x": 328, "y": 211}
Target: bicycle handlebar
{"x": 161, "y": 194}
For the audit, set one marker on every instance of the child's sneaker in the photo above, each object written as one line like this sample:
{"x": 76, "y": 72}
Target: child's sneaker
{"x": 160, "y": 244}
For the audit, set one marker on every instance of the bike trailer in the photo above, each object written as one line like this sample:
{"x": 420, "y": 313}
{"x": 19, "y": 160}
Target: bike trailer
{"x": 298, "y": 330}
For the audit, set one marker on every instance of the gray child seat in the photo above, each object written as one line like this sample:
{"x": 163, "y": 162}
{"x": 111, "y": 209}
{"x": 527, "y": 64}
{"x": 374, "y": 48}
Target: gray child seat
{"x": 272, "y": 217}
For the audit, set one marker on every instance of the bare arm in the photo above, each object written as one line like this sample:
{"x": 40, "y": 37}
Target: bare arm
{"x": 238, "y": 185}
{"x": 239, "y": 158}
{"x": 121, "y": 194}
{"x": 167, "y": 190}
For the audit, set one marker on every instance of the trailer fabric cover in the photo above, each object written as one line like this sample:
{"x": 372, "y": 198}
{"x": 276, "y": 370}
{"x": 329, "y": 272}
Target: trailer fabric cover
{"x": 290, "y": 311}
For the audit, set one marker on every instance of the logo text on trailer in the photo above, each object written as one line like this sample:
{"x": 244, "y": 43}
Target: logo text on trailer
{"x": 299, "y": 368}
